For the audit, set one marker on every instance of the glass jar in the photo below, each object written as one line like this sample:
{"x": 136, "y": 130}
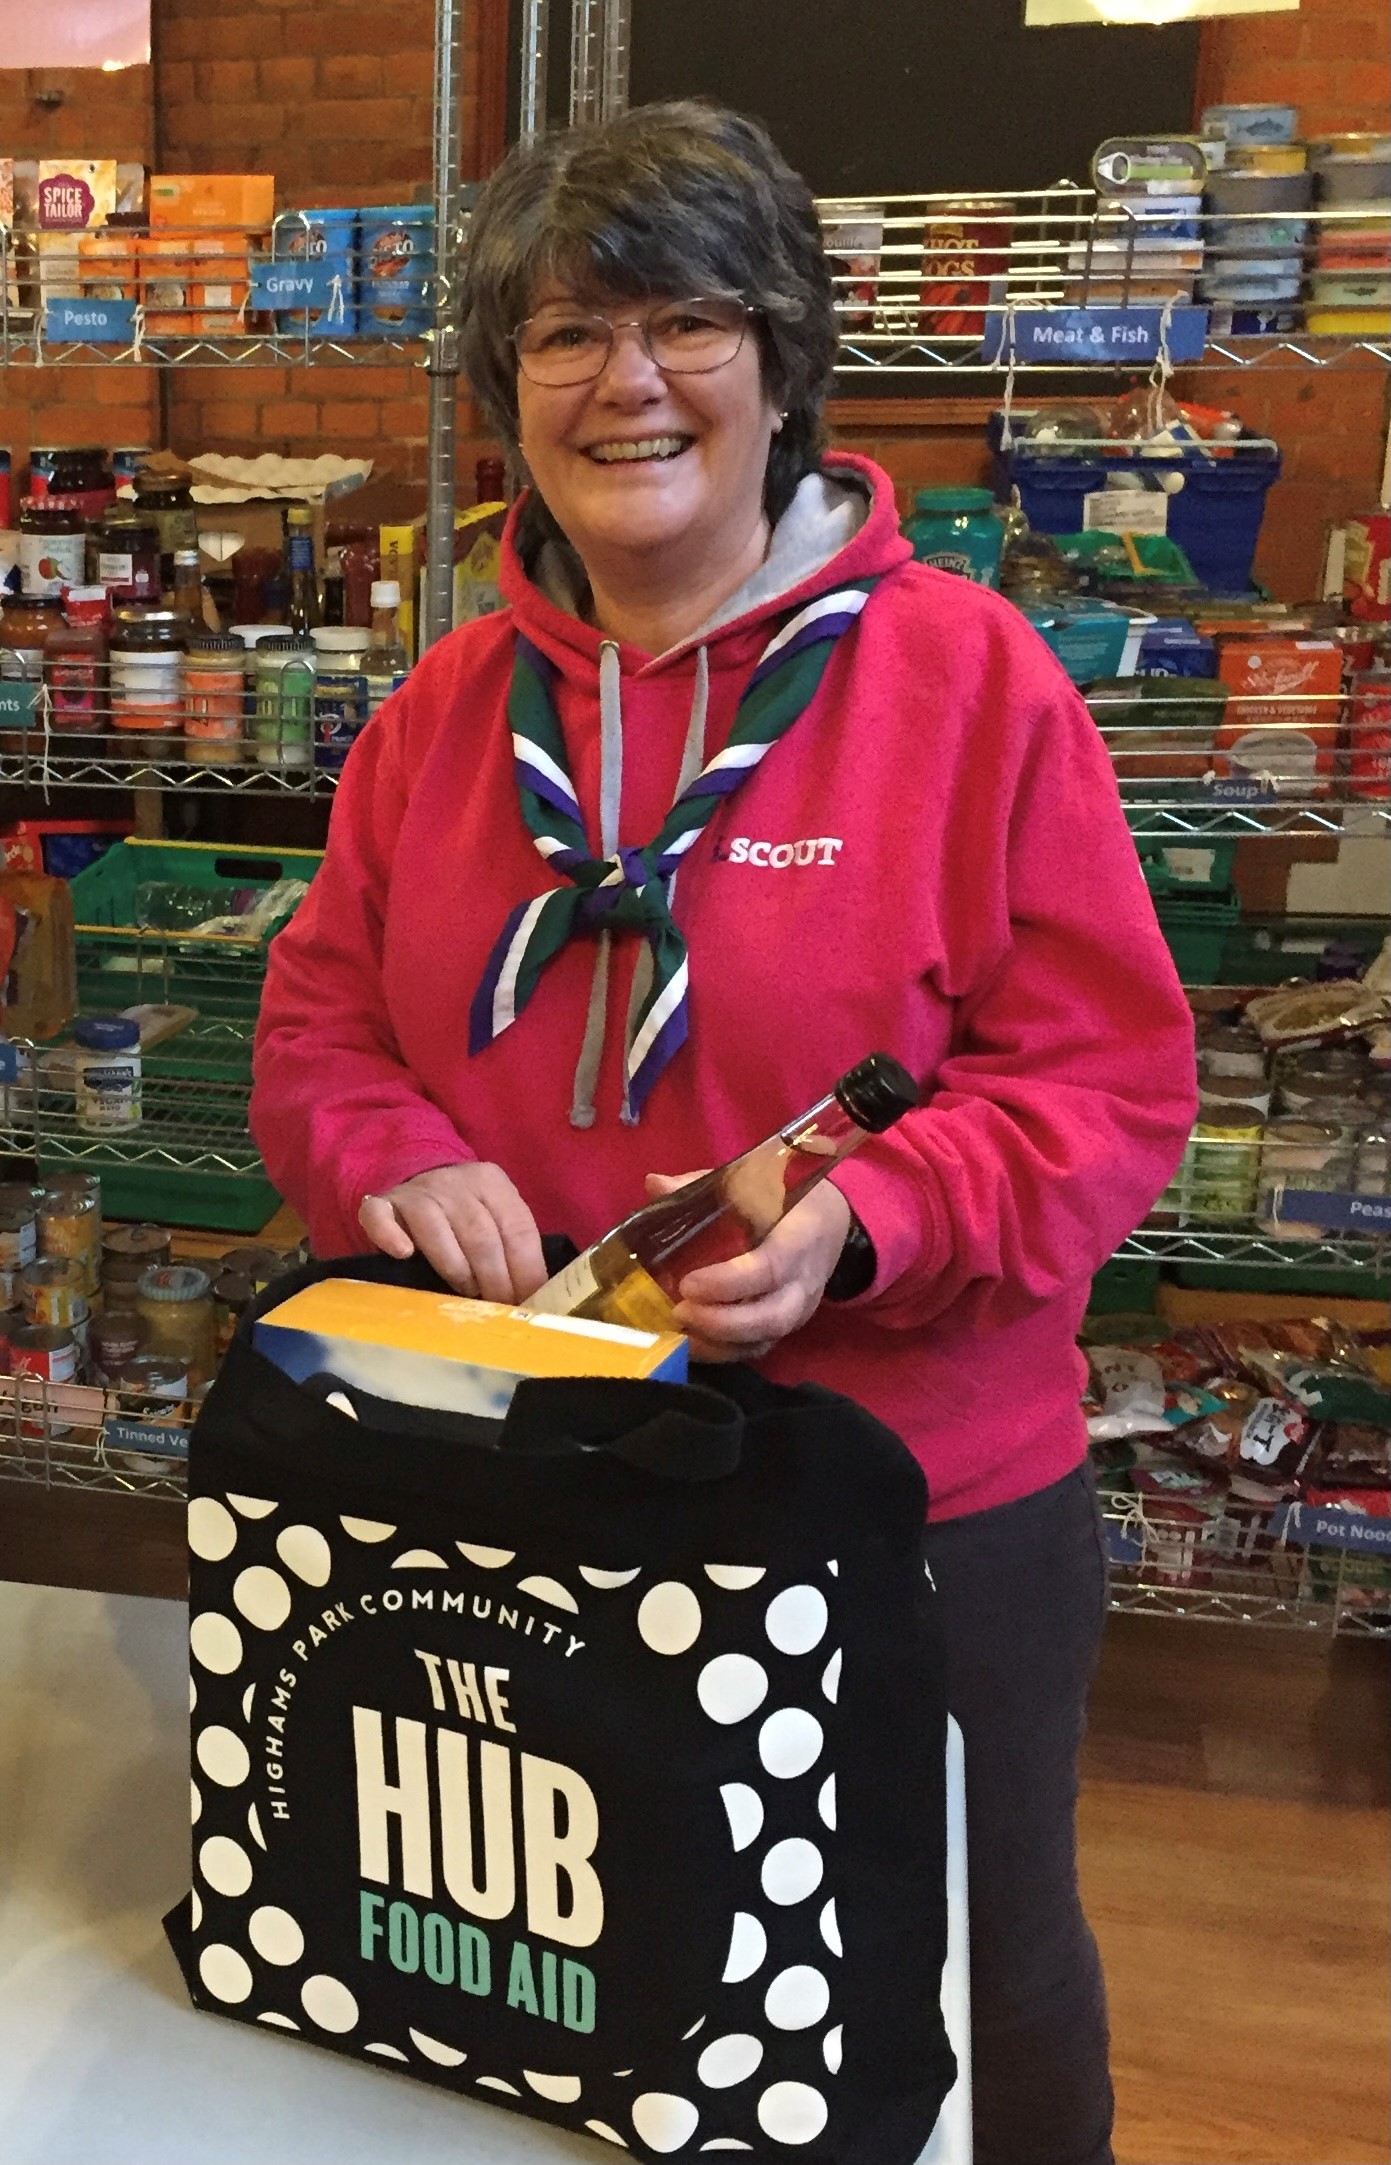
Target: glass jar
{"x": 1301, "y": 1157}
{"x": 1235, "y": 1054}
{"x": 956, "y": 529}
{"x": 284, "y": 701}
{"x": 52, "y": 549}
{"x": 75, "y": 664}
{"x": 1219, "y": 1095}
{"x": 174, "y": 1302}
{"x": 147, "y": 672}
{"x": 168, "y": 496}
{"x": 107, "y": 1072}
{"x": 82, "y": 479}
{"x": 26, "y": 623}
{"x": 125, "y": 552}
{"x": 1224, "y": 1165}
{"x": 214, "y": 699}
{"x": 70, "y": 1225}
{"x": 340, "y": 692}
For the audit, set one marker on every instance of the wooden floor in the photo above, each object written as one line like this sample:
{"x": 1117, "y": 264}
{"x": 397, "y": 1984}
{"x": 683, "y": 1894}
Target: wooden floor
{"x": 1234, "y": 1858}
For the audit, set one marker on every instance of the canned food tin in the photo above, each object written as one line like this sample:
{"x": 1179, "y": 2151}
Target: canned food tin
{"x": 44, "y": 1350}
{"x": 259, "y": 1264}
{"x": 113, "y": 1342}
{"x": 53, "y": 1294}
{"x": 232, "y": 1296}
{"x": 150, "y": 1376}
{"x": 126, "y": 1252}
{"x": 70, "y": 1226}
{"x": 19, "y": 1235}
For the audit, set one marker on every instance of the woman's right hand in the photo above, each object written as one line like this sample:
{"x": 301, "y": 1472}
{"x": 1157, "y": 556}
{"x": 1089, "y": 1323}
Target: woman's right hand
{"x": 469, "y": 1222}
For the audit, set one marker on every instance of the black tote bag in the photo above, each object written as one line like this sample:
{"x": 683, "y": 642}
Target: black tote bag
{"x": 588, "y": 1763}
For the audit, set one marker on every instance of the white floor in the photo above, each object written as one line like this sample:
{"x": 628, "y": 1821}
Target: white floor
{"x": 102, "y": 2060}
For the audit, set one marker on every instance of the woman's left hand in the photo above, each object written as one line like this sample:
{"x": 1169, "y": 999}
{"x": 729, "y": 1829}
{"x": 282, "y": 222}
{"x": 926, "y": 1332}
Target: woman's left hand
{"x": 737, "y": 1311}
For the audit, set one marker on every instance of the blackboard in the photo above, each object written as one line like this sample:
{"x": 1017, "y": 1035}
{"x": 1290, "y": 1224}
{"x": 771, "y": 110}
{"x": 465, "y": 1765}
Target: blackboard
{"x": 875, "y": 97}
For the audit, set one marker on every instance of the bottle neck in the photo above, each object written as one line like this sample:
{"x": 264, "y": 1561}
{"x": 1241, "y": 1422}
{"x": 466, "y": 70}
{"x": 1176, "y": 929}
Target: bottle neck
{"x": 817, "y": 1140}
{"x": 384, "y": 628}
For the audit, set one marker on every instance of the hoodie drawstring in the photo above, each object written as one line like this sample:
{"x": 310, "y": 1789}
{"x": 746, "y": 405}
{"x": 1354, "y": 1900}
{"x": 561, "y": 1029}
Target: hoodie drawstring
{"x": 582, "y": 1107}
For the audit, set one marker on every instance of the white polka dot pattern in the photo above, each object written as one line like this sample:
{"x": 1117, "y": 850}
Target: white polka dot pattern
{"x": 831, "y": 2049}
{"x": 418, "y": 1560}
{"x": 826, "y": 1802}
{"x": 669, "y": 1618}
{"x": 366, "y": 1529}
{"x": 608, "y": 1580}
{"x": 830, "y": 1928}
{"x": 225, "y": 1865}
{"x": 329, "y": 2004}
{"x": 275, "y": 1936}
{"x": 430, "y": 2048}
{"x": 303, "y": 1550}
{"x": 550, "y": 1591}
{"x": 605, "y": 2133}
{"x": 797, "y": 1999}
{"x": 215, "y": 1643}
{"x": 791, "y": 1871}
{"x": 748, "y": 1944}
{"x": 789, "y": 1742}
{"x": 474, "y": 1552}
{"x": 557, "y": 2089}
{"x": 262, "y": 1597}
{"x": 212, "y": 1530}
{"x": 252, "y": 1507}
{"x": 279, "y": 2022}
{"x": 225, "y": 1973}
{"x": 223, "y": 1756}
{"x": 735, "y": 1578}
{"x": 744, "y": 1808}
{"x": 731, "y": 1687}
{"x": 729, "y": 2060}
{"x": 797, "y": 1619}
{"x": 792, "y": 2112}
{"x": 664, "y": 2122}
{"x": 253, "y": 1827}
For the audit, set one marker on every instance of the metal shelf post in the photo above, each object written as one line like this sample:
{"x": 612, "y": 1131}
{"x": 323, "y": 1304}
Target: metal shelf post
{"x": 442, "y": 367}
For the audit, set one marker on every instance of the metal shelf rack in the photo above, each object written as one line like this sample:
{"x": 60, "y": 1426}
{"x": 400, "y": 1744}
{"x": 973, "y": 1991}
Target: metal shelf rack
{"x": 46, "y": 763}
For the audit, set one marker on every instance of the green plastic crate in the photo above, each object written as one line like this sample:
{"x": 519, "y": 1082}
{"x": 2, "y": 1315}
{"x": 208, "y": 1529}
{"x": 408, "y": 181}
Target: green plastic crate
{"x": 1186, "y": 869}
{"x": 1124, "y": 1287}
{"x": 1270, "y": 952}
{"x": 1197, "y": 933}
{"x": 122, "y": 959}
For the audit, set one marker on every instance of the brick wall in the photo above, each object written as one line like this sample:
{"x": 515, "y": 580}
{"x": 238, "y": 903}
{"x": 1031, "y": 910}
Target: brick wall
{"x": 96, "y": 116}
{"x": 334, "y": 98}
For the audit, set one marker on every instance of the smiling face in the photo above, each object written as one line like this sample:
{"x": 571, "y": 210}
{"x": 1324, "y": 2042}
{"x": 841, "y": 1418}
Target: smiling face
{"x": 644, "y": 468}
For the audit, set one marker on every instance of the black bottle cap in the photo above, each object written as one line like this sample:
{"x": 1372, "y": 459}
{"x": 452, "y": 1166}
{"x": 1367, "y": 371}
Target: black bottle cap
{"x": 876, "y": 1092}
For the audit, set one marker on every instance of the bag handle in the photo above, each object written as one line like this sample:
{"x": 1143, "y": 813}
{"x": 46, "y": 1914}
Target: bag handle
{"x": 679, "y": 1430}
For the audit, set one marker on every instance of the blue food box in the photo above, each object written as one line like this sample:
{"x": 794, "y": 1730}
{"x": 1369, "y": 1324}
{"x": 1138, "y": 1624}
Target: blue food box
{"x": 1172, "y": 648}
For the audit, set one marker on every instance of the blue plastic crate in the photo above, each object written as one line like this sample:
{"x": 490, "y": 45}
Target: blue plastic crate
{"x": 1215, "y": 517}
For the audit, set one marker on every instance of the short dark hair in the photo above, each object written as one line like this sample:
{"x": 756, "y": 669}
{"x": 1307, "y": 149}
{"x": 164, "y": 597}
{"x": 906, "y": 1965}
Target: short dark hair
{"x": 671, "y": 199}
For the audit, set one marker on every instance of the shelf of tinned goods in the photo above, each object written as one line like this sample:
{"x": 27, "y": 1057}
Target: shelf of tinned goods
{"x": 983, "y": 282}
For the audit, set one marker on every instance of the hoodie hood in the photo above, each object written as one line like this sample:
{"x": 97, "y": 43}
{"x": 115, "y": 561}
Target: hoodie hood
{"x": 841, "y": 525}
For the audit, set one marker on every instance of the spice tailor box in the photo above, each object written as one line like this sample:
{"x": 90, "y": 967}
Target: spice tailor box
{"x": 1281, "y": 723}
{"x": 434, "y": 1349}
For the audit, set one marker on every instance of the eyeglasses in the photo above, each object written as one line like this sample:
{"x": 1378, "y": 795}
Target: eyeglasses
{"x": 564, "y": 344}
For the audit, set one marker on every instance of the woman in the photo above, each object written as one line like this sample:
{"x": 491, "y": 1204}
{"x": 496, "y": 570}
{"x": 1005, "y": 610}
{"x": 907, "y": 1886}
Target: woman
{"x": 921, "y": 850}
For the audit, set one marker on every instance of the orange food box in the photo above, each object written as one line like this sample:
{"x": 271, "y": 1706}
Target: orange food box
{"x": 1281, "y": 723}
{"x": 246, "y": 200}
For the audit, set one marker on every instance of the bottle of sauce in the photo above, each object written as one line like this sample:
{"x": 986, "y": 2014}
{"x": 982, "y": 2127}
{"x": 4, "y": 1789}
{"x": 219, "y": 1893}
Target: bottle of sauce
{"x": 385, "y": 664}
{"x": 167, "y": 493}
{"x": 187, "y": 593}
{"x": 334, "y": 594}
{"x": 303, "y": 611}
{"x": 26, "y": 622}
{"x": 125, "y": 552}
{"x": 634, "y": 1273}
{"x": 490, "y": 481}
{"x": 75, "y": 664}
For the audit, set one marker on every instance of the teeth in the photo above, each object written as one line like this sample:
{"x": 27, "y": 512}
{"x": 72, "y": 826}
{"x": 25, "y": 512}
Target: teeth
{"x": 650, "y": 447}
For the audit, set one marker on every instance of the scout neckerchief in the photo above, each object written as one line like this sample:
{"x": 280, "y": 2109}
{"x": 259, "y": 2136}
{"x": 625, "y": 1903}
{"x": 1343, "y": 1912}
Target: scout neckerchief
{"x": 629, "y": 891}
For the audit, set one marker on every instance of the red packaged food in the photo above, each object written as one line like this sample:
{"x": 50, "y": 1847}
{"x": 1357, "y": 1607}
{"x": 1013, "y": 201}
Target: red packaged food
{"x": 966, "y": 244}
{"x": 1367, "y": 734}
{"x": 1367, "y": 566}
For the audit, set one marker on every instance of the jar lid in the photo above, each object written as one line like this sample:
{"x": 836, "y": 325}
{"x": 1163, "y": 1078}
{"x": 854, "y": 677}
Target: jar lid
{"x": 340, "y": 639}
{"x": 174, "y": 1282}
{"x": 215, "y": 642}
{"x": 286, "y": 643}
{"x": 953, "y": 499}
{"x": 155, "y": 1373}
{"x": 386, "y": 594}
{"x": 106, "y": 1033}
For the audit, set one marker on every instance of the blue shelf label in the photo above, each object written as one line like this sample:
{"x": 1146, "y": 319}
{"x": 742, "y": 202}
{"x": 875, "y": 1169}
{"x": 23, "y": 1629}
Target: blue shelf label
{"x": 155, "y": 1439}
{"x": 89, "y": 323}
{"x": 1319, "y": 1526}
{"x": 1102, "y": 336}
{"x": 1335, "y": 1212}
{"x": 1239, "y": 791}
{"x": 298, "y": 283}
{"x": 1122, "y": 1547}
{"x": 17, "y": 702}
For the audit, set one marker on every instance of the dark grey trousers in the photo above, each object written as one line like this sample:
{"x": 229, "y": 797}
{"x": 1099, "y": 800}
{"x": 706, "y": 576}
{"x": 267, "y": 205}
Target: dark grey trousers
{"x": 1023, "y": 1602}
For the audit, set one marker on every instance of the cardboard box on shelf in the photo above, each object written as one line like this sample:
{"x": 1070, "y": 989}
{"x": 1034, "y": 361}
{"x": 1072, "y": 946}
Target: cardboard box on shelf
{"x": 243, "y": 200}
{"x": 1282, "y": 718}
{"x": 73, "y": 195}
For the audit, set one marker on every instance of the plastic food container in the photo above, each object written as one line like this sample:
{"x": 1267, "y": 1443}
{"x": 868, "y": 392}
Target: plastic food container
{"x": 284, "y": 717}
{"x": 956, "y": 529}
{"x": 340, "y": 692}
{"x": 215, "y": 699}
{"x": 107, "y": 1072}
{"x": 1254, "y": 123}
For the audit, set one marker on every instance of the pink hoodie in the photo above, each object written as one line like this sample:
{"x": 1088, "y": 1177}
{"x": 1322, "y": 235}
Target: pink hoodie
{"x": 933, "y": 862}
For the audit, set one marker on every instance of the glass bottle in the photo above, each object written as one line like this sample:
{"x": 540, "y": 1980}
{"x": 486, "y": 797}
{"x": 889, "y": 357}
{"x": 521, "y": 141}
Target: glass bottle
{"x": 303, "y": 612}
{"x": 490, "y": 480}
{"x": 335, "y": 596}
{"x": 187, "y": 593}
{"x": 384, "y": 664}
{"x": 634, "y": 1273}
